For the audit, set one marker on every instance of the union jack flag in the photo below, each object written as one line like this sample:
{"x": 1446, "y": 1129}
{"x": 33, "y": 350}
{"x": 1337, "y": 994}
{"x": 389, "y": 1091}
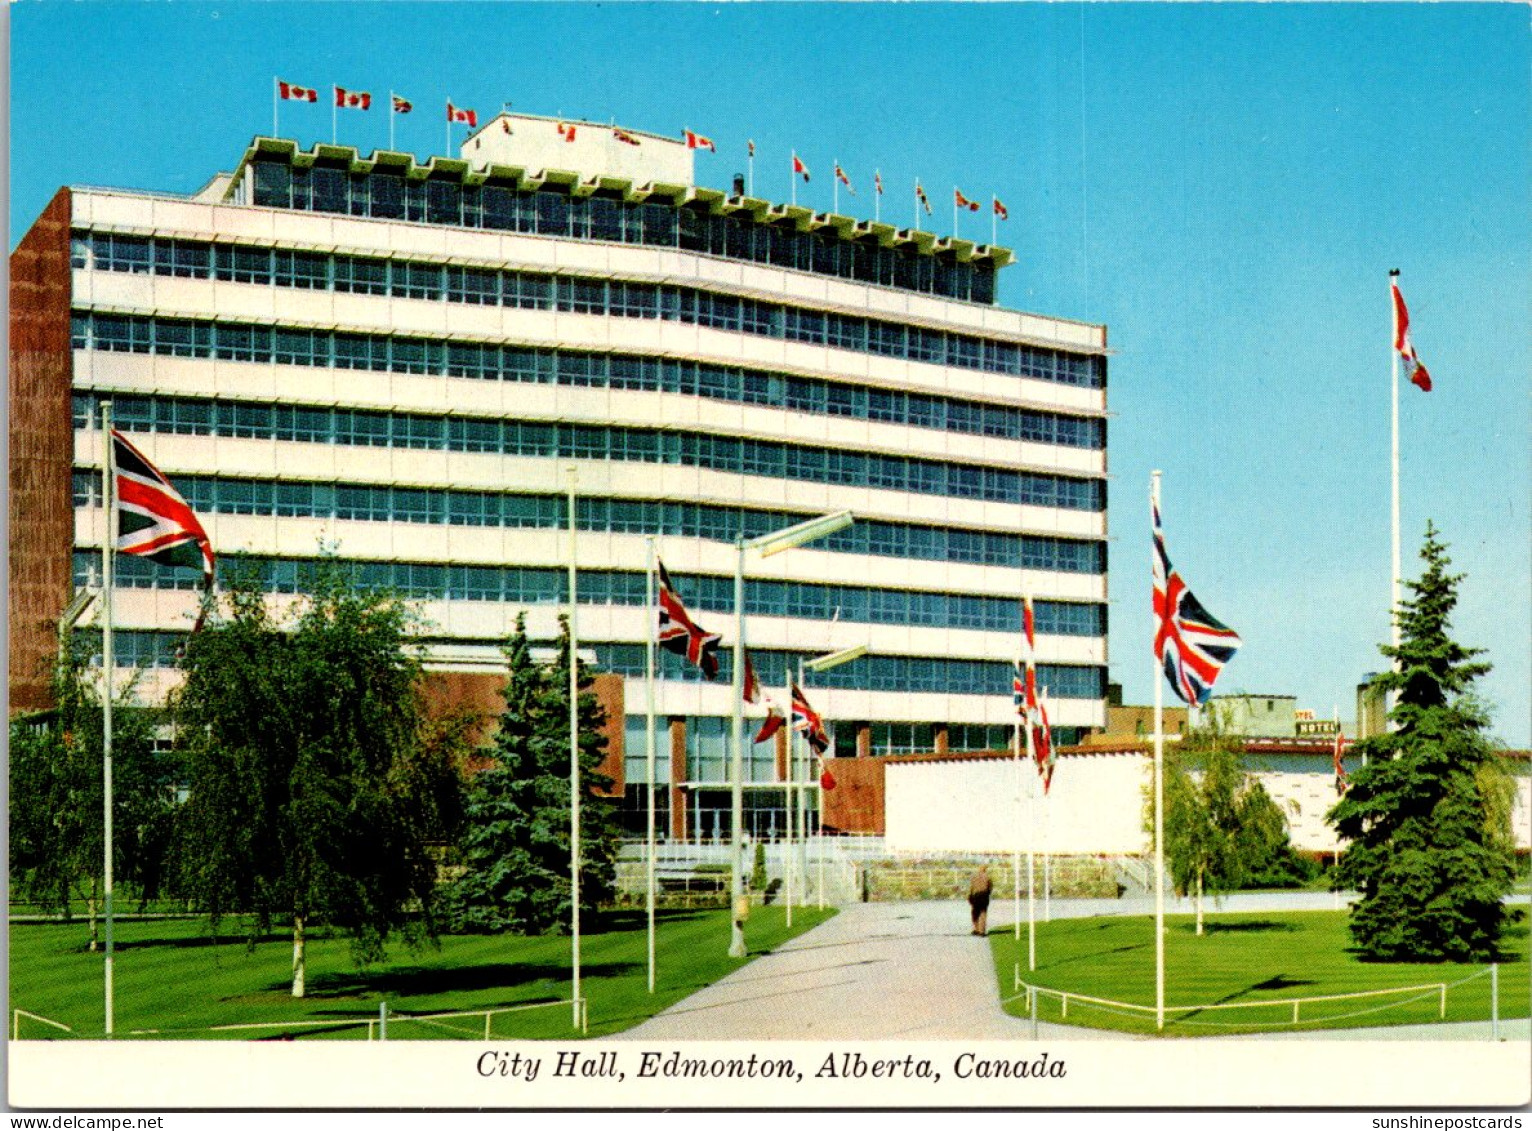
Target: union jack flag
{"x": 1191, "y": 644}
{"x": 153, "y": 520}
{"x": 679, "y": 634}
{"x": 807, "y": 720}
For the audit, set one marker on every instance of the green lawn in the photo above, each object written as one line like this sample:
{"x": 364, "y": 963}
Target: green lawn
{"x": 171, "y": 977}
{"x": 1248, "y": 957}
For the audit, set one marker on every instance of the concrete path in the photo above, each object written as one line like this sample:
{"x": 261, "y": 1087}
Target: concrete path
{"x": 913, "y": 971}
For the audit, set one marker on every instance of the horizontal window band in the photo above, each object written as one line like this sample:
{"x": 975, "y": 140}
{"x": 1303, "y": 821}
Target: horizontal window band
{"x": 493, "y": 361}
{"x": 197, "y": 416}
{"x": 709, "y": 595}
{"x": 508, "y": 510}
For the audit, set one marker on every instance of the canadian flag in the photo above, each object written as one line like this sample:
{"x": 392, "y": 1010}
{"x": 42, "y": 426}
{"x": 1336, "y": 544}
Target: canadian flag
{"x": 697, "y": 141}
{"x": 1415, "y": 371}
{"x": 353, "y": 99}
{"x": 963, "y": 202}
{"x": 566, "y": 132}
{"x": 1000, "y": 210}
{"x": 297, "y": 93}
{"x": 799, "y": 167}
{"x": 458, "y": 114}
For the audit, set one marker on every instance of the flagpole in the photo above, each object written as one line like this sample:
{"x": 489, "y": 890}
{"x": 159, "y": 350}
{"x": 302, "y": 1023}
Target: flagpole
{"x": 447, "y": 152}
{"x": 835, "y": 188}
{"x": 391, "y": 117}
{"x": 108, "y": 663}
{"x": 1016, "y": 853}
{"x": 750, "y": 171}
{"x": 1393, "y": 614}
{"x": 794, "y": 179}
{"x": 994, "y": 221}
{"x": 1159, "y": 812}
{"x": 649, "y": 658}
{"x": 788, "y": 860}
{"x": 954, "y": 212}
{"x": 737, "y": 879}
{"x": 276, "y": 100}
{"x": 1047, "y": 829}
{"x": 917, "y": 204}
{"x": 877, "y": 196}
{"x": 334, "y": 113}
{"x": 574, "y": 757}
{"x": 1031, "y": 826}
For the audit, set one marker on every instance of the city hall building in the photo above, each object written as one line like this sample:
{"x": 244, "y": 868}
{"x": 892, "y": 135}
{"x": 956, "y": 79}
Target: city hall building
{"x": 398, "y": 362}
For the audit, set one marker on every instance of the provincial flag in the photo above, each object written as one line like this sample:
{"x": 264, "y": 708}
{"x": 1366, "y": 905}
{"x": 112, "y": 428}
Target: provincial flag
{"x": 402, "y": 105}
{"x": 1000, "y": 209}
{"x": 751, "y": 144}
{"x": 920, "y": 195}
{"x": 1190, "y": 643}
{"x": 1340, "y": 766}
{"x": 624, "y": 136}
{"x": 877, "y": 182}
{"x": 807, "y": 720}
{"x": 352, "y": 99}
{"x": 297, "y": 93}
{"x": 963, "y": 202}
{"x": 697, "y": 141}
{"x": 1415, "y": 371}
{"x": 469, "y": 118}
{"x": 680, "y": 635}
{"x": 153, "y": 520}
{"x": 800, "y": 168}
{"x": 840, "y": 175}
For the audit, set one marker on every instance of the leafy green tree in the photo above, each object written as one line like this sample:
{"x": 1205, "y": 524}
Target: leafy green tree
{"x": 1428, "y": 846}
{"x": 318, "y": 785}
{"x": 1223, "y": 831}
{"x": 516, "y": 845}
{"x": 56, "y": 815}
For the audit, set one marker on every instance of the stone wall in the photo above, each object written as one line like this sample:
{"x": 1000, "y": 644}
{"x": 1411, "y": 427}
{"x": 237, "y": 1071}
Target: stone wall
{"x": 947, "y": 877}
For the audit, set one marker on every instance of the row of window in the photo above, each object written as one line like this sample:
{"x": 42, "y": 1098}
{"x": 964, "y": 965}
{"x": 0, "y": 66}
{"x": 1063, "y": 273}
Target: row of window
{"x": 365, "y": 502}
{"x": 551, "y": 211}
{"x": 525, "y": 585}
{"x": 369, "y": 428}
{"x": 152, "y": 648}
{"x": 170, "y": 337}
{"x": 107, "y": 251}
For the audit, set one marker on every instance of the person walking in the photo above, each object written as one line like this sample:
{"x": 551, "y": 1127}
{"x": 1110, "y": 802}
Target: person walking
{"x": 978, "y": 899}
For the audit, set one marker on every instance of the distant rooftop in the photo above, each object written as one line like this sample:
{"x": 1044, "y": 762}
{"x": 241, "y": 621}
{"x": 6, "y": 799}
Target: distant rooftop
{"x": 591, "y": 149}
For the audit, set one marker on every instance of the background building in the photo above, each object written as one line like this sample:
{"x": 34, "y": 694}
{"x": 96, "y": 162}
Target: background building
{"x": 399, "y": 361}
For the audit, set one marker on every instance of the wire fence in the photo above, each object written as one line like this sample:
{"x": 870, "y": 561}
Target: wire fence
{"x": 1191, "y": 1016}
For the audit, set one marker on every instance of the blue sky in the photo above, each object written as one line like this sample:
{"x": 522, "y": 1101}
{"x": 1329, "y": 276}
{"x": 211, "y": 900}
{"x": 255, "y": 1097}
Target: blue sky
{"x": 1226, "y": 186}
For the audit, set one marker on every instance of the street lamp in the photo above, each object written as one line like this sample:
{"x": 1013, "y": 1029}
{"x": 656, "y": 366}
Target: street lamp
{"x": 765, "y": 545}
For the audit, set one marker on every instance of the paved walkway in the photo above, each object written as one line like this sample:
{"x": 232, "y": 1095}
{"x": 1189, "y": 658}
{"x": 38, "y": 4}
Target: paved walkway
{"x": 912, "y": 971}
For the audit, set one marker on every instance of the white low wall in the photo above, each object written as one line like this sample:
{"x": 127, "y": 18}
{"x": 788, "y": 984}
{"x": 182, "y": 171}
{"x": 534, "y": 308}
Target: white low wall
{"x": 1096, "y": 804}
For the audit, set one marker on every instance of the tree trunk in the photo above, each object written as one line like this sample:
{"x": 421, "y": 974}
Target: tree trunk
{"x": 297, "y": 956}
{"x": 90, "y": 905}
{"x": 1199, "y": 901}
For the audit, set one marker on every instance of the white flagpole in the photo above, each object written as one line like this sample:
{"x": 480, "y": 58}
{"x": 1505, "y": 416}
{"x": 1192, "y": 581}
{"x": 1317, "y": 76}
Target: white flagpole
{"x": 1016, "y": 854}
{"x": 877, "y": 196}
{"x": 1031, "y": 841}
{"x": 794, "y": 178}
{"x": 1047, "y": 833}
{"x": 750, "y": 171}
{"x": 574, "y": 758}
{"x": 994, "y": 222}
{"x": 738, "y": 907}
{"x": 649, "y": 658}
{"x": 1159, "y": 812}
{"x": 1393, "y": 613}
{"x": 917, "y": 205}
{"x": 447, "y": 152}
{"x": 835, "y": 187}
{"x": 334, "y": 112}
{"x": 108, "y": 664}
{"x": 276, "y": 99}
{"x": 954, "y": 212}
{"x": 391, "y": 116}
{"x": 789, "y": 856}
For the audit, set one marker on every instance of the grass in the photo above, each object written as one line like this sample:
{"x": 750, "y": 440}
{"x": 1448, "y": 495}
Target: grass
{"x": 1245, "y": 958}
{"x": 172, "y": 977}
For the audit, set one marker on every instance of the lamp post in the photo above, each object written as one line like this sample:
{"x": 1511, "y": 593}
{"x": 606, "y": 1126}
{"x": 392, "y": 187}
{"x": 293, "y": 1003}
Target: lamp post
{"x": 821, "y": 664}
{"x": 765, "y": 545}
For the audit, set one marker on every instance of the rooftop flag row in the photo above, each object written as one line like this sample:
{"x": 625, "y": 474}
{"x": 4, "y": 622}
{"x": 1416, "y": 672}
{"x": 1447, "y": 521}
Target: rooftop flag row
{"x": 344, "y": 98}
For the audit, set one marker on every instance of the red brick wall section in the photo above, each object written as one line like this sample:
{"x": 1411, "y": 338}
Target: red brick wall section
{"x": 480, "y": 692}
{"x": 41, "y": 453}
{"x": 855, "y": 805}
{"x": 677, "y": 775}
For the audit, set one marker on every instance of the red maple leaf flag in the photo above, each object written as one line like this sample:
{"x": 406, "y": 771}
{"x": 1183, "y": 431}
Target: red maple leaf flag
{"x": 1415, "y": 371}
{"x": 1000, "y": 210}
{"x": 1340, "y": 766}
{"x": 567, "y": 132}
{"x": 352, "y": 99}
{"x": 800, "y": 168}
{"x": 697, "y": 141}
{"x": 469, "y": 118}
{"x": 963, "y": 202}
{"x": 402, "y": 105}
{"x": 297, "y": 93}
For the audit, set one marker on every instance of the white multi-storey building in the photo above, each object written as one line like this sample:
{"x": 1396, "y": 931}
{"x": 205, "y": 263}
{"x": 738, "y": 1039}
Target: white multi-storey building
{"x": 400, "y": 360}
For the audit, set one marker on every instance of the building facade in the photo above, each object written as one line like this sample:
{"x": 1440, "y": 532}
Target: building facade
{"x": 396, "y": 362}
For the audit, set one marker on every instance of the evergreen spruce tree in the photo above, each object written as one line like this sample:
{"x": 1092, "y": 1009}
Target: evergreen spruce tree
{"x": 516, "y": 847}
{"x": 1425, "y": 847}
